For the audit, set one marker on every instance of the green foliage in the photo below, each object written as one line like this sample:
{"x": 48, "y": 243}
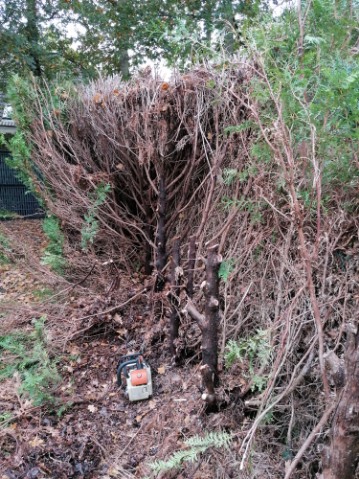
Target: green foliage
{"x": 60, "y": 411}
{"x": 269, "y": 418}
{"x": 244, "y": 126}
{"x": 25, "y": 97}
{"x": 19, "y": 160}
{"x": 253, "y": 207}
{"x": 178, "y": 32}
{"x": 5, "y": 418}
{"x": 194, "y": 447}
{"x": 27, "y": 356}
{"x": 4, "y": 250}
{"x": 21, "y": 95}
{"x": 253, "y": 353}
{"x": 317, "y": 90}
{"x": 35, "y": 39}
{"x": 53, "y": 255}
{"x": 226, "y": 269}
{"x": 43, "y": 293}
{"x": 90, "y": 228}
{"x": 7, "y": 215}
{"x": 230, "y": 175}
{"x": 21, "y": 154}
{"x": 260, "y": 151}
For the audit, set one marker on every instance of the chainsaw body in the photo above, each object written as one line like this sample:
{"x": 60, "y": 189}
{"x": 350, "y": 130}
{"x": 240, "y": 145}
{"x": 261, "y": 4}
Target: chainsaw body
{"x": 137, "y": 374}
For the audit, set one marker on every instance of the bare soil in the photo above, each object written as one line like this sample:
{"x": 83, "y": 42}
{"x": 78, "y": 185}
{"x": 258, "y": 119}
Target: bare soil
{"x": 93, "y": 431}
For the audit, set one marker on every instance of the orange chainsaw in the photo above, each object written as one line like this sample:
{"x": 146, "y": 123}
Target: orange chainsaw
{"x": 138, "y": 377}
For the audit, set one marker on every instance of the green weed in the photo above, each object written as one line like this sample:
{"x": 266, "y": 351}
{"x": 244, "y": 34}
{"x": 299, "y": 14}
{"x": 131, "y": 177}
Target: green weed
{"x": 43, "y": 293}
{"x": 253, "y": 352}
{"x": 63, "y": 409}
{"x": 8, "y": 215}
{"x": 254, "y": 208}
{"x": 26, "y": 354}
{"x": 4, "y": 250}
{"x": 226, "y": 268}
{"x": 53, "y": 255}
{"x": 91, "y": 225}
{"x": 5, "y": 418}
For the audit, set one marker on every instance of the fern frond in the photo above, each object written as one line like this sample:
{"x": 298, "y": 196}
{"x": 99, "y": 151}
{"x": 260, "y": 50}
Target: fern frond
{"x": 197, "y": 445}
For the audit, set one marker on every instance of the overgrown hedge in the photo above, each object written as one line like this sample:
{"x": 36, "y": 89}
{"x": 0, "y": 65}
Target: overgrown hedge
{"x": 258, "y": 155}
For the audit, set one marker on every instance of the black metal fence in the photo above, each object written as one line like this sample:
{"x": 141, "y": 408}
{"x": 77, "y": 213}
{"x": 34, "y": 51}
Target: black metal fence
{"x": 14, "y": 198}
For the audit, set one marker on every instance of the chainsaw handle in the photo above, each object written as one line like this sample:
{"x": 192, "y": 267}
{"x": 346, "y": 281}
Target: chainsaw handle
{"x": 120, "y": 367}
{"x": 119, "y": 370}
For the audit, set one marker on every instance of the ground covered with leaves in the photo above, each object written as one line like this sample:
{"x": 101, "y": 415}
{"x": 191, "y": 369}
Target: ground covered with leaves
{"x": 62, "y": 414}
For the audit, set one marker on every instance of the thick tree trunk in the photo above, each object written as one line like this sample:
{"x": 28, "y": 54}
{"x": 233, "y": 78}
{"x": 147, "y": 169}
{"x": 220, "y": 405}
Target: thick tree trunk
{"x": 208, "y": 324}
{"x": 125, "y": 65}
{"x": 33, "y": 36}
{"x": 174, "y": 298}
{"x": 341, "y": 458}
{"x": 210, "y": 331}
{"x": 229, "y": 18}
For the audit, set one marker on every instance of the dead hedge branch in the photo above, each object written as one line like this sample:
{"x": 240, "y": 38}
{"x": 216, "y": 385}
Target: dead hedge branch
{"x": 160, "y": 146}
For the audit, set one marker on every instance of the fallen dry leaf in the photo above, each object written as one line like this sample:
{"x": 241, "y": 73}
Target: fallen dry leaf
{"x": 92, "y": 408}
{"x": 152, "y": 404}
{"x": 114, "y": 471}
{"x": 36, "y": 442}
{"x": 97, "y": 98}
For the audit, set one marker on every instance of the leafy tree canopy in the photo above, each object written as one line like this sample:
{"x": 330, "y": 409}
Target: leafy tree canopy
{"x": 33, "y": 39}
{"x": 122, "y": 33}
{"x": 115, "y": 35}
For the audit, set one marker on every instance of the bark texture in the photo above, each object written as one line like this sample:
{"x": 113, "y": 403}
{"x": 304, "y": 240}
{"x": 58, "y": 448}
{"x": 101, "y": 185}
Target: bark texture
{"x": 341, "y": 458}
{"x": 161, "y": 235}
{"x": 208, "y": 324}
{"x": 174, "y": 297}
{"x": 210, "y": 330}
{"x": 33, "y": 37}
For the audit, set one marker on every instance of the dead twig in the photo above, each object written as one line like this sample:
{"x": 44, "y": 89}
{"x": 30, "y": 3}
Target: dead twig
{"x": 309, "y": 440}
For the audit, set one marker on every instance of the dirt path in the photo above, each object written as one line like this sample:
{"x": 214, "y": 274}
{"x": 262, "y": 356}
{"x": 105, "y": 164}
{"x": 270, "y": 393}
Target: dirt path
{"x": 88, "y": 428}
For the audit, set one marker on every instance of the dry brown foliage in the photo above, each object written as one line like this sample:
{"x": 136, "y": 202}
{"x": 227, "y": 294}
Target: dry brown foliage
{"x": 140, "y": 138}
